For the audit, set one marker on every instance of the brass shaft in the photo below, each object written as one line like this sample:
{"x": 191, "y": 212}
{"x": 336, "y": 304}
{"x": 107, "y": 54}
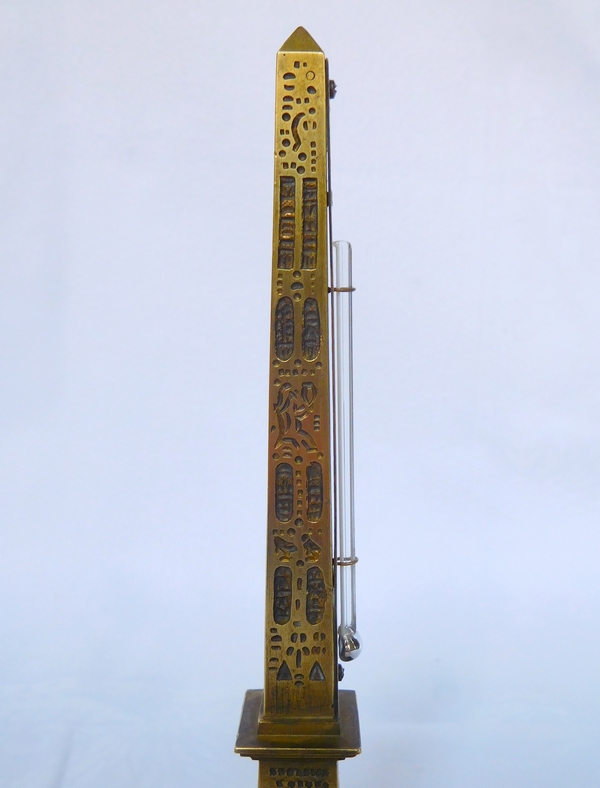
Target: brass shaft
{"x": 300, "y": 649}
{"x": 299, "y": 727}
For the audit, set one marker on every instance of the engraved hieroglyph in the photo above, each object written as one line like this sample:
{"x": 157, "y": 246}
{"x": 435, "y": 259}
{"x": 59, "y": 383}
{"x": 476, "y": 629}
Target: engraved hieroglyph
{"x": 282, "y": 595}
{"x": 292, "y": 407}
{"x": 314, "y": 491}
{"x": 311, "y": 329}
{"x": 287, "y": 222}
{"x": 300, "y": 666}
{"x": 316, "y": 595}
{"x": 309, "y": 222}
{"x": 284, "y": 329}
{"x": 284, "y": 492}
{"x": 312, "y": 549}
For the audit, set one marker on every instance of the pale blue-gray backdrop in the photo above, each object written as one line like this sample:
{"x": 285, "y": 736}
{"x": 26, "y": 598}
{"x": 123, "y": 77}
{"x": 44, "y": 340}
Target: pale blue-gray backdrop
{"x": 136, "y": 145}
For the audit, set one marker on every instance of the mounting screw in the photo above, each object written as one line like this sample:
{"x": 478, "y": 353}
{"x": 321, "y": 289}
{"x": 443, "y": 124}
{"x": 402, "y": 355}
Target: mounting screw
{"x": 332, "y": 89}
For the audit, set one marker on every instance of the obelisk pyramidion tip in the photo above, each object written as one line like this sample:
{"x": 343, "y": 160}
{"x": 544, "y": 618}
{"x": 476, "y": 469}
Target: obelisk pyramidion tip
{"x": 300, "y": 41}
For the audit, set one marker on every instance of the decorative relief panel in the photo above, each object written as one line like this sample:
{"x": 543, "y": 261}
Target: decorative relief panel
{"x": 287, "y": 221}
{"x": 309, "y": 223}
{"x": 285, "y": 397}
{"x": 311, "y": 329}
{"x": 284, "y": 492}
{"x": 301, "y": 403}
{"x": 314, "y": 491}
{"x": 316, "y": 595}
{"x": 282, "y": 595}
{"x": 302, "y": 412}
{"x": 284, "y": 329}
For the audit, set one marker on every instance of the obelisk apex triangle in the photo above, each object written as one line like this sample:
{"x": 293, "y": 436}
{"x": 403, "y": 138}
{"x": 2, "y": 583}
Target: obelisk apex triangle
{"x": 300, "y": 41}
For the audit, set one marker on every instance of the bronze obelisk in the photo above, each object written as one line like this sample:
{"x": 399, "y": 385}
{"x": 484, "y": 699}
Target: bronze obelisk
{"x": 300, "y": 726}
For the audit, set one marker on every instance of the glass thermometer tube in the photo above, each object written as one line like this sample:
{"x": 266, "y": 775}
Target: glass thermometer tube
{"x": 349, "y": 644}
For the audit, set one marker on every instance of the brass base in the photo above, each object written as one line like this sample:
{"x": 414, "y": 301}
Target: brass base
{"x": 313, "y": 730}
{"x": 295, "y": 745}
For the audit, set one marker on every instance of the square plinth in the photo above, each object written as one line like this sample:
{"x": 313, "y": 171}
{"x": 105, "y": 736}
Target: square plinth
{"x": 336, "y": 748}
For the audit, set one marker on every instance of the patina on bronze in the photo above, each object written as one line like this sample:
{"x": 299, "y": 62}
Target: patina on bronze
{"x": 300, "y": 725}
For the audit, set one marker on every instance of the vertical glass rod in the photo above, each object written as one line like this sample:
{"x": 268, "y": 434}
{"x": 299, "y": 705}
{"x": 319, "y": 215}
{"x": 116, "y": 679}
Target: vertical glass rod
{"x": 349, "y": 642}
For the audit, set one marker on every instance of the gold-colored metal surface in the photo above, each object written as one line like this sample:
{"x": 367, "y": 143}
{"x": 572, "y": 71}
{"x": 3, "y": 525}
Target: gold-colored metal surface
{"x": 300, "y": 726}
{"x": 301, "y": 664}
{"x": 346, "y": 745}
